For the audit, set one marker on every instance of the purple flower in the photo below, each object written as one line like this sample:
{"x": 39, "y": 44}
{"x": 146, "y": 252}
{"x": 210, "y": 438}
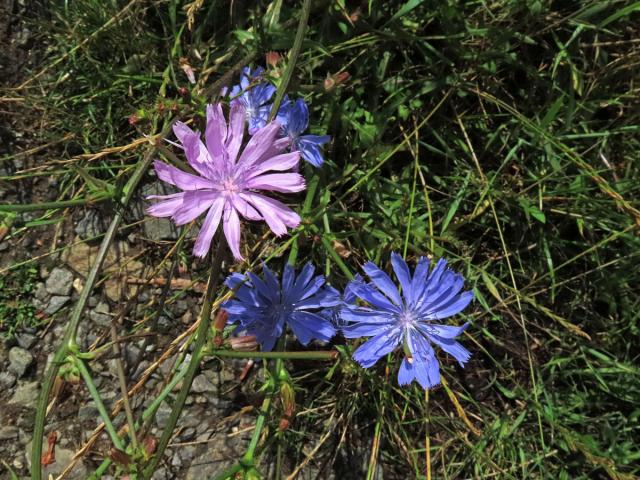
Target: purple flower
{"x": 294, "y": 117}
{"x": 254, "y": 96}
{"x": 263, "y": 307}
{"x": 347, "y": 298}
{"x": 226, "y": 183}
{"x": 393, "y": 319}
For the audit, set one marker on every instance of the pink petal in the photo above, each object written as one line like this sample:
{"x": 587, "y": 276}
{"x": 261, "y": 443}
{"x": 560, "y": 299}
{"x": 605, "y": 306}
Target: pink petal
{"x": 167, "y": 208}
{"x": 198, "y": 157}
{"x": 208, "y": 230}
{"x": 232, "y": 230}
{"x": 216, "y": 132}
{"x": 279, "y": 162}
{"x": 236, "y": 131}
{"x": 277, "y": 182}
{"x": 194, "y": 204}
{"x": 244, "y": 208}
{"x": 259, "y": 144}
{"x": 180, "y": 179}
{"x": 182, "y": 131}
{"x": 277, "y": 215}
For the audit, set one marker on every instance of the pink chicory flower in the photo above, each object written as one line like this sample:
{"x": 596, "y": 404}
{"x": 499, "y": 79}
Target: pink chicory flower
{"x": 227, "y": 182}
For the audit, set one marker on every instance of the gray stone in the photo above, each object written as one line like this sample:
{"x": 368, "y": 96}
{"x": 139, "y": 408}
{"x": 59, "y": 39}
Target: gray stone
{"x": 55, "y": 304}
{"x": 7, "y": 380}
{"x": 19, "y": 360}
{"x": 8, "y": 432}
{"x": 26, "y": 394}
{"x": 60, "y": 282}
{"x": 88, "y": 412}
{"x": 203, "y": 384}
{"x": 162, "y": 415}
{"x": 90, "y": 226}
{"x": 156, "y": 228}
{"x": 41, "y": 292}
{"x": 100, "y": 314}
{"x": 26, "y": 340}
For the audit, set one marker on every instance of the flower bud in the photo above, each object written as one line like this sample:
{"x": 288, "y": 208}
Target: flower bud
{"x": 246, "y": 343}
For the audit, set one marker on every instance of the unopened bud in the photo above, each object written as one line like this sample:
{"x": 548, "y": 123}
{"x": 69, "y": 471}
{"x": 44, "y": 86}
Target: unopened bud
{"x": 183, "y": 92}
{"x": 133, "y": 119}
{"x": 273, "y": 58}
{"x": 332, "y": 81}
{"x": 246, "y": 343}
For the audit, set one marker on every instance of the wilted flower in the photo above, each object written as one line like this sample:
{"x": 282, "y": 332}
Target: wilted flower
{"x": 226, "y": 186}
{"x": 263, "y": 306}
{"x": 253, "y": 94}
{"x": 407, "y": 320}
{"x": 294, "y": 117}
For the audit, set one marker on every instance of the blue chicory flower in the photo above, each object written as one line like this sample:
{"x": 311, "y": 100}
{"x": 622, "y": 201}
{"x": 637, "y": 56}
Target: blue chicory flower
{"x": 392, "y": 319}
{"x": 254, "y": 95}
{"x": 264, "y": 306}
{"x": 294, "y": 118}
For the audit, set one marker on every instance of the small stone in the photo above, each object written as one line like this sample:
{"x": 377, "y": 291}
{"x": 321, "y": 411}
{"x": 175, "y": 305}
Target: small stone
{"x": 162, "y": 415}
{"x": 88, "y": 412}
{"x": 203, "y": 384}
{"x": 90, "y": 226}
{"x": 26, "y": 394}
{"x": 19, "y": 360}
{"x": 26, "y": 340}
{"x": 59, "y": 282}
{"x": 100, "y": 314}
{"x": 7, "y": 380}
{"x": 8, "y": 432}
{"x": 156, "y": 228}
{"x": 41, "y": 292}
{"x": 55, "y": 304}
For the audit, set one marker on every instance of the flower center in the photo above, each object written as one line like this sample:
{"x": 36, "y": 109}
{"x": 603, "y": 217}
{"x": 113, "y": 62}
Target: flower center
{"x": 230, "y": 186}
{"x": 406, "y": 319}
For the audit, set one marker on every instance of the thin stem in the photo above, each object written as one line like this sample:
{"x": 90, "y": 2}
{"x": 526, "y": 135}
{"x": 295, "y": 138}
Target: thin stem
{"x": 72, "y": 326}
{"x": 93, "y": 391}
{"x": 203, "y": 328}
{"x": 34, "y": 207}
{"x": 322, "y": 355}
{"x": 124, "y": 391}
{"x": 257, "y": 431}
{"x": 306, "y": 208}
{"x": 293, "y": 58}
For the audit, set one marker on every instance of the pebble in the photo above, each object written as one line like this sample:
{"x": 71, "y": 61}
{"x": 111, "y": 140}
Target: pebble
{"x": 89, "y": 226}
{"x": 55, "y": 304}
{"x": 7, "y": 380}
{"x": 8, "y": 433}
{"x": 26, "y": 394}
{"x": 26, "y": 340}
{"x": 60, "y": 282}
{"x": 203, "y": 384}
{"x": 41, "y": 292}
{"x": 19, "y": 360}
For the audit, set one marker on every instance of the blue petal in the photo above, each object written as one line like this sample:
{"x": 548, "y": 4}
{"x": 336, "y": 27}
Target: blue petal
{"x": 446, "y": 331}
{"x": 298, "y": 290}
{"x": 288, "y": 277}
{"x": 326, "y": 297}
{"x": 349, "y": 296}
{"x": 371, "y": 295}
{"x": 456, "y": 305}
{"x": 308, "y": 326}
{"x": 309, "y": 150}
{"x": 383, "y": 282}
{"x": 370, "y": 352}
{"x": 367, "y": 315}
{"x": 403, "y": 275}
{"x": 406, "y": 373}
{"x": 461, "y": 354}
{"x": 270, "y": 279}
{"x": 298, "y": 118}
{"x": 419, "y": 278}
{"x": 427, "y": 371}
{"x": 262, "y": 288}
{"x": 363, "y": 329}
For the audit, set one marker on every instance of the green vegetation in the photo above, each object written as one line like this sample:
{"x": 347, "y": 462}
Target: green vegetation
{"x": 502, "y": 135}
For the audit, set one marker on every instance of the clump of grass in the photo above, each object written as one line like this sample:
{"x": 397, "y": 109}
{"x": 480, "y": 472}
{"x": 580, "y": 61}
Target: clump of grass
{"x": 16, "y": 292}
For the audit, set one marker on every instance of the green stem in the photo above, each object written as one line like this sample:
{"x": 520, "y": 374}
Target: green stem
{"x": 203, "y": 328}
{"x": 257, "y": 431}
{"x": 148, "y": 413}
{"x": 293, "y": 58}
{"x": 306, "y": 208}
{"x": 72, "y": 326}
{"x": 34, "y": 207}
{"x": 322, "y": 355}
{"x": 93, "y": 391}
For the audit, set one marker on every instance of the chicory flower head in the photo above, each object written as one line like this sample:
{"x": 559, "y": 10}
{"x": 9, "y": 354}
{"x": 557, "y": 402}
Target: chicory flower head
{"x": 227, "y": 181}
{"x": 392, "y": 319}
{"x": 294, "y": 117}
{"x": 254, "y": 95}
{"x": 264, "y": 306}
